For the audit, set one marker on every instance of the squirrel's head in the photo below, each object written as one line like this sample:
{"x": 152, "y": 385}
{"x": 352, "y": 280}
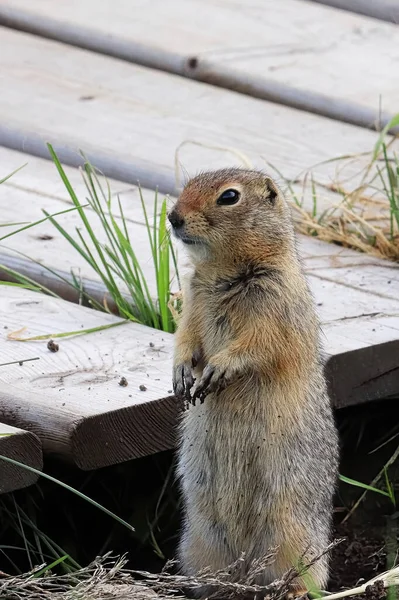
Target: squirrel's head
{"x": 232, "y": 211}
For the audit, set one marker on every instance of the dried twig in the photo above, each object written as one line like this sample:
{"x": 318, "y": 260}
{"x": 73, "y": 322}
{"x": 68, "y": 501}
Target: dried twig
{"x": 238, "y": 581}
{"x": 108, "y": 578}
{"x": 19, "y": 362}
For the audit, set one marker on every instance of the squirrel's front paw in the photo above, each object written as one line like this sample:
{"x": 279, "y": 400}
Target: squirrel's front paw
{"x": 183, "y": 380}
{"x": 214, "y": 379}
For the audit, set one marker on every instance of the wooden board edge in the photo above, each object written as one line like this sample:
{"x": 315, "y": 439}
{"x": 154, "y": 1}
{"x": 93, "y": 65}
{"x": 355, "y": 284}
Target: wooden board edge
{"x": 194, "y": 67}
{"x": 89, "y": 39}
{"x": 124, "y": 434}
{"x": 57, "y": 281}
{"x": 140, "y": 172}
{"x": 24, "y": 447}
{"x": 383, "y": 10}
{"x": 207, "y": 71}
{"x": 364, "y": 375}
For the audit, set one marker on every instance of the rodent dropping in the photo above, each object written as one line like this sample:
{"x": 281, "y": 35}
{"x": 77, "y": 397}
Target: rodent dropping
{"x": 258, "y": 452}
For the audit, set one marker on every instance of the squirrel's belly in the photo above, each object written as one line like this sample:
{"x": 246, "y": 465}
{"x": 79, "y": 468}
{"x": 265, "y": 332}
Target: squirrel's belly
{"x": 228, "y": 467}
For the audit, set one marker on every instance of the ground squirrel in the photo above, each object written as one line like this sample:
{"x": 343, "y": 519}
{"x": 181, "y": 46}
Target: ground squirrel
{"x": 258, "y": 453}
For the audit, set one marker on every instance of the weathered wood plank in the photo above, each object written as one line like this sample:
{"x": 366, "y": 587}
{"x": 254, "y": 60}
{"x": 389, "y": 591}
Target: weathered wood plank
{"x": 24, "y": 447}
{"x": 304, "y": 55}
{"x": 46, "y": 245}
{"x": 83, "y": 413}
{"x": 345, "y": 271}
{"x": 148, "y": 115}
{"x": 359, "y": 322}
{"x": 37, "y": 187}
{"x": 386, "y": 10}
{"x": 40, "y": 176}
{"x": 72, "y": 398}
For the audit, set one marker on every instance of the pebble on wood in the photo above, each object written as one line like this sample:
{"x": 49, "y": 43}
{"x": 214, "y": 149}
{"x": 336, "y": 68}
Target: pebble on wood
{"x": 52, "y": 346}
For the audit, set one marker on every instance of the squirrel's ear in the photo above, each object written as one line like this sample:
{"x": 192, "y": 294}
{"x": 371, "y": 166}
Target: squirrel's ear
{"x": 271, "y": 190}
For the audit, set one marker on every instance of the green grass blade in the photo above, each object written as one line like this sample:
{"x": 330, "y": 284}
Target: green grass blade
{"x": 116, "y": 259}
{"x": 69, "y": 238}
{"x": 390, "y": 489}
{"x": 388, "y": 196}
{"x": 56, "y": 562}
{"x": 64, "y": 334}
{"x": 81, "y": 212}
{"x": 47, "y": 218}
{"x": 24, "y": 286}
{"x": 52, "y": 546}
{"x": 22, "y": 530}
{"x": 70, "y": 489}
{"x": 12, "y": 174}
{"x": 394, "y": 122}
{"x": 27, "y": 282}
{"x": 364, "y": 486}
{"x": 75, "y": 285}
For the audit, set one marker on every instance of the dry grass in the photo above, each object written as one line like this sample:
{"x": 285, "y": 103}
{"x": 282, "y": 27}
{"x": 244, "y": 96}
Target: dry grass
{"x": 359, "y": 220}
{"x": 358, "y": 208}
{"x": 360, "y": 211}
{"x": 108, "y": 578}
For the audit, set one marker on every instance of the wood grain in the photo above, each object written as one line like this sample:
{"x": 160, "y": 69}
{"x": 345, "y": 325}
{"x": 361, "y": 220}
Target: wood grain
{"x": 72, "y": 398}
{"x": 301, "y": 54}
{"x": 149, "y": 114}
{"x": 24, "y": 447}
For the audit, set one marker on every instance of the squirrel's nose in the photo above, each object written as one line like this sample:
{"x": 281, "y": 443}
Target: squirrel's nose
{"x": 175, "y": 219}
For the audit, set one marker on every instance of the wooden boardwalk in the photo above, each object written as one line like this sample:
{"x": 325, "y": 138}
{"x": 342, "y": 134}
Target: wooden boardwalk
{"x": 131, "y": 131}
{"x": 304, "y": 55}
{"x": 130, "y": 120}
{"x": 72, "y": 398}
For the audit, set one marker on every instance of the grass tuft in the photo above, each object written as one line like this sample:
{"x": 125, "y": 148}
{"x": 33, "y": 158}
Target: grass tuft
{"x": 115, "y": 261}
{"x": 366, "y": 217}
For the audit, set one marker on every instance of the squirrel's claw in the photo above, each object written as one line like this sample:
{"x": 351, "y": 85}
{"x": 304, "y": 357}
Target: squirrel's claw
{"x": 183, "y": 380}
{"x": 212, "y": 380}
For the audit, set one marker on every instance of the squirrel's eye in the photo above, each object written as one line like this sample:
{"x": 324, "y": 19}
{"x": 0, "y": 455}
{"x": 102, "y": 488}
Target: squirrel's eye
{"x": 228, "y": 197}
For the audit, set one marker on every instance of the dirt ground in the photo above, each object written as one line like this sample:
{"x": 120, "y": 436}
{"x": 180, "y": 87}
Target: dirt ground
{"x": 361, "y": 556}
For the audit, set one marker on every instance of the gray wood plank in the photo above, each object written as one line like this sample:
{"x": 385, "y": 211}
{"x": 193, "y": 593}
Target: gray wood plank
{"x": 386, "y": 10}
{"x": 356, "y": 294}
{"x": 72, "y": 398}
{"x": 37, "y": 187}
{"x": 137, "y": 118}
{"x": 301, "y": 54}
{"x": 23, "y": 447}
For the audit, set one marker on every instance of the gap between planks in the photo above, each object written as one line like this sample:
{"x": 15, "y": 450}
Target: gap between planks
{"x": 385, "y": 10}
{"x": 267, "y": 53}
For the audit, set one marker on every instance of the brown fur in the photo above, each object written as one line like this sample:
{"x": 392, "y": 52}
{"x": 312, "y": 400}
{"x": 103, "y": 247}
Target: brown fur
{"x": 258, "y": 458}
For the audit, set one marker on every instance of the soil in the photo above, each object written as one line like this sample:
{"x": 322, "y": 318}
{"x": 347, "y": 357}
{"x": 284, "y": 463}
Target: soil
{"x": 360, "y": 557}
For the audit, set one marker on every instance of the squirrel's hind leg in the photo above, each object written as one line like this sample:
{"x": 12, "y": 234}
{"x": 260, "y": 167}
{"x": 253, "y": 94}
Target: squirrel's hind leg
{"x": 200, "y": 550}
{"x": 294, "y": 550}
